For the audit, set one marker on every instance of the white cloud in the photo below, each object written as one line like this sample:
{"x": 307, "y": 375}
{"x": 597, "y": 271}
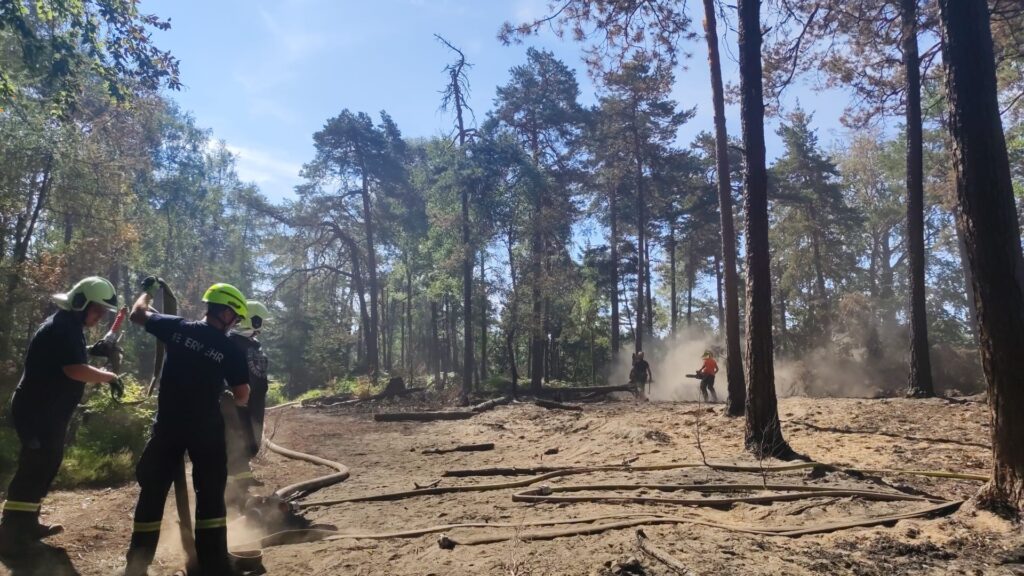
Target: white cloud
{"x": 276, "y": 175}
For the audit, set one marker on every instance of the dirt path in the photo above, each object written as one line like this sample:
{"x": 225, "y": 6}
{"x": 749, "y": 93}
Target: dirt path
{"x": 384, "y": 457}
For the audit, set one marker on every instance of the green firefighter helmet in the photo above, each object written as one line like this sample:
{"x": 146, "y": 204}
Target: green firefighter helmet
{"x": 227, "y": 295}
{"x": 257, "y": 317}
{"x": 92, "y": 289}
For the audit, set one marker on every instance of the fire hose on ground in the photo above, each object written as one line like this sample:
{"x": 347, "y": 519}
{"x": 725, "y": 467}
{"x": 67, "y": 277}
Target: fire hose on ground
{"x": 597, "y": 524}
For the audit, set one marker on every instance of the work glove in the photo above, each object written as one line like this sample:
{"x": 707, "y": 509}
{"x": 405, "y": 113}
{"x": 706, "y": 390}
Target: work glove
{"x": 116, "y": 388}
{"x": 151, "y": 284}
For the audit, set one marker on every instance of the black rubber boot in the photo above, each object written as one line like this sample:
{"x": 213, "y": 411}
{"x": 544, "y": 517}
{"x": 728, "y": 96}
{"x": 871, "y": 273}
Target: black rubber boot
{"x": 39, "y": 531}
{"x": 16, "y": 537}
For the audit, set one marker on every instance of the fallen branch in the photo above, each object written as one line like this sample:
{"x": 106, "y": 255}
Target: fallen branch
{"x": 941, "y": 508}
{"x": 423, "y": 416}
{"x": 661, "y": 555}
{"x": 485, "y": 406}
{"x": 464, "y": 448}
{"x": 502, "y": 471}
{"x": 551, "y": 405}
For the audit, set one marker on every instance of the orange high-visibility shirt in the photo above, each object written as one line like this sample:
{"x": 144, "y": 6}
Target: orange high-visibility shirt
{"x": 710, "y": 367}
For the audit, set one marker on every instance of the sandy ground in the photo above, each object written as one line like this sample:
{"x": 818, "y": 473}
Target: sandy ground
{"x": 931, "y": 434}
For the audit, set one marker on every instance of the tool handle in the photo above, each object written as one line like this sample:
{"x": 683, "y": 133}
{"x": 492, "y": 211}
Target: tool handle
{"x": 115, "y": 328}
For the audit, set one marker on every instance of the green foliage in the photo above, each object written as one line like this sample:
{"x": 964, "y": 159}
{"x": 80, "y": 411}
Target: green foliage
{"x": 63, "y": 45}
{"x": 108, "y": 438}
{"x": 275, "y": 394}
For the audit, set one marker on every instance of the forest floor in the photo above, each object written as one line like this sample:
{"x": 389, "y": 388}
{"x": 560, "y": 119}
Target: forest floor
{"x": 934, "y": 434}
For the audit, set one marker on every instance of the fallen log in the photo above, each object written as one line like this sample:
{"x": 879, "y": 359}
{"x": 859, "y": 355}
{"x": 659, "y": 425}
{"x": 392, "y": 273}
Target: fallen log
{"x": 485, "y": 406}
{"x": 661, "y": 555}
{"x": 463, "y": 448}
{"x": 587, "y": 391}
{"x": 423, "y": 416}
{"x": 551, "y": 405}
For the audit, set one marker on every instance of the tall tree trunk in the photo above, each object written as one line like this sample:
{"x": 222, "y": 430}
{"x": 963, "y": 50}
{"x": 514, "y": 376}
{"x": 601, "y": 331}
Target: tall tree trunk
{"x": 648, "y": 298}
{"x": 360, "y": 289}
{"x": 513, "y": 316}
{"x": 734, "y": 362}
{"x": 435, "y": 347}
{"x": 641, "y": 250}
{"x": 407, "y": 357}
{"x": 613, "y": 296}
{"x": 987, "y": 217}
{"x": 691, "y": 278}
{"x": 372, "y": 353}
{"x": 536, "y": 318}
{"x": 673, "y": 296}
{"x": 783, "y": 334}
{"x": 886, "y": 281}
{"x": 919, "y": 382}
{"x": 24, "y": 234}
{"x": 483, "y": 315}
{"x": 467, "y": 298}
{"x": 718, "y": 285}
{"x": 873, "y": 269}
{"x": 763, "y": 429}
{"x": 382, "y": 328}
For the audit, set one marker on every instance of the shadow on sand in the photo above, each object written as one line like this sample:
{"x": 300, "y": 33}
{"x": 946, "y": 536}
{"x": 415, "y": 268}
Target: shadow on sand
{"x": 42, "y": 560}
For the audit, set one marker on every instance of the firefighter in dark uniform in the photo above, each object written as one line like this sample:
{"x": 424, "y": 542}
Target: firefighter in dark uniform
{"x": 240, "y": 476}
{"x": 51, "y": 386}
{"x": 200, "y": 360}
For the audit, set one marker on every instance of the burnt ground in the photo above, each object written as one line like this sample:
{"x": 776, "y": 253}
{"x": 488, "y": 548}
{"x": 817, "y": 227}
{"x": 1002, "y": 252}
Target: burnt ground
{"x": 932, "y": 434}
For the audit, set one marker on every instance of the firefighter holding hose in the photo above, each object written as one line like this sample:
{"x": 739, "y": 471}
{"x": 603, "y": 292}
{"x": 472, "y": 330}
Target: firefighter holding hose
{"x": 51, "y": 386}
{"x": 200, "y": 361}
{"x": 244, "y": 336}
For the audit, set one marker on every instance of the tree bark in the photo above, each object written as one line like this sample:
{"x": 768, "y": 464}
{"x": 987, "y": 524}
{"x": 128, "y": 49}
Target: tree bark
{"x": 919, "y": 382}
{"x": 372, "y": 354}
{"x": 648, "y": 298}
{"x": 673, "y": 296}
{"x": 691, "y": 278}
{"x": 734, "y": 362}
{"x": 613, "y": 296}
{"x": 988, "y": 220}
{"x": 718, "y": 286}
{"x": 435, "y": 347}
{"x": 483, "y": 315}
{"x": 641, "y": 251}
{"x": 783, "y": 335}
{"x": 407, "y": 357}
{"x": 513, "y": 316}
{"x": 536, "y": 318}
{"x": 763, "y": 429}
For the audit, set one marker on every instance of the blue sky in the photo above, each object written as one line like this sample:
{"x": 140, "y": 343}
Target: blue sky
{"x": 265, "y": 75}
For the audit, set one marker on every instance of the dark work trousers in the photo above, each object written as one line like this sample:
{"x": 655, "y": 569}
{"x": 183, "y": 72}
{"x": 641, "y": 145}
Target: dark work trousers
{"x": 42, "y": 429}
{"x": 239, "y": 472}
{"x": 707, "y": 384}
{"x": 258, "y": 388}
{"x": 160, "y": 462}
